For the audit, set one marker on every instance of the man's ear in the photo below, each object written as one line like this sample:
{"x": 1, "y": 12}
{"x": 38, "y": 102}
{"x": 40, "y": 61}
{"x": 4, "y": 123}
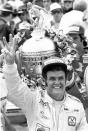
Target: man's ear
{"x": 45, "y": 80}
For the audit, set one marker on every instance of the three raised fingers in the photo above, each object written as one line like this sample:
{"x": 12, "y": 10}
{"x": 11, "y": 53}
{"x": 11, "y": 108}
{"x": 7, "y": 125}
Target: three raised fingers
{"x": 10, "y": 46}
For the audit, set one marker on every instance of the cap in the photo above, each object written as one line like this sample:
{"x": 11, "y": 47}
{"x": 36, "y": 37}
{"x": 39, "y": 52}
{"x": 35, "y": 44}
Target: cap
{"x": 55, "y": 6}
{"x": 51, "y": 63}
{"x": 75, "y": 29}
{"x": 6, "y": 8}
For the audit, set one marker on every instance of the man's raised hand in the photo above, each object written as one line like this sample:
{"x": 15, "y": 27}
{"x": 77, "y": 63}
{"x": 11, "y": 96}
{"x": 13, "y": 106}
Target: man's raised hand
{"x": 9, "y": 49}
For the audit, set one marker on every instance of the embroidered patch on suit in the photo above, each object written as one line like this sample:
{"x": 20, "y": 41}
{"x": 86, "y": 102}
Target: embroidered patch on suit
{"x": 71, "y": 121}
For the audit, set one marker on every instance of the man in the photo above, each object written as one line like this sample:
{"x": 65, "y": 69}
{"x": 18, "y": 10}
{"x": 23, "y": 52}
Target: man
{"x": 77, "y": 34}
{"x": 57, "y": 13}
{"x": 6, "y": 16}
{"x": 67, "y": 5}
{"x": 46, "y": 4}
{"x": 57, "y": 110}
{"x": 24, "y": 17}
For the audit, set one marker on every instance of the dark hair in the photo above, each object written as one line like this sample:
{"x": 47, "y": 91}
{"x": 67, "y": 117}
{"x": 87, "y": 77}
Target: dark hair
{"x": 55, "y": 67}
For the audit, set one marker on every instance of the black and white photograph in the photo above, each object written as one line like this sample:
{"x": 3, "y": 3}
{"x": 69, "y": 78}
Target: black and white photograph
{"x": 43, "y": 65}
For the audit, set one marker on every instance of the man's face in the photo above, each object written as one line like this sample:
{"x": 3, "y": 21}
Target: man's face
{"x": 68, "y": 4}
{"x": 57, "y": 14}
{"x": 46, "y": 4}
{"x": 56, "y": 82}
{"x": 77, "y": 40}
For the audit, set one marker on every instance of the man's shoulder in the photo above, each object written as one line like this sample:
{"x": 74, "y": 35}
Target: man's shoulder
{"x": 73, "y": 98}
{"x": 75, "y": 102}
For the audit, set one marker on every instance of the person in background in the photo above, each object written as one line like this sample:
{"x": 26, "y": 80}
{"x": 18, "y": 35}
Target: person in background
{"x": 46, "y": 4}
{"x": 5, "y": 18}
{"x": 67, "y": 5}
{"x": 38, "y": 2}
{"x": 6, "y": 13}
{"x": 77, "y": 34}
{"x": 57, "y": 13}
{"x": 80, "y": 5}
{"x": 24, "y": 17}
{"x": 57, "y": 110}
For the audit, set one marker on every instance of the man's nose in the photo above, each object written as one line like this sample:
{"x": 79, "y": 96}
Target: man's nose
{"x": 57, "y": 81}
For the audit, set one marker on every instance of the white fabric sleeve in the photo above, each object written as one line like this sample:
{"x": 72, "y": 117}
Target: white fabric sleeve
{"x": 18, "y": 92}
{"x": 83, "y": 125}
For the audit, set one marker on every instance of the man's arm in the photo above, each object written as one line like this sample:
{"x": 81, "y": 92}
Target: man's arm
{"x": 83, "y": 125}
{"x": 18, "y": 92}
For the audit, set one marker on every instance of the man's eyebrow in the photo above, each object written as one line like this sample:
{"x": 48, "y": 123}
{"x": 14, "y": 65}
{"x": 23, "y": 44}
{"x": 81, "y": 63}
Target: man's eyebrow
{"x": 60, "y": 76}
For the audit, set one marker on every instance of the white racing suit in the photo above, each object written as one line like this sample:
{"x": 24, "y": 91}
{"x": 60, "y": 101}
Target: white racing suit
{"x": 41, "y": 112}
{"x": 3, "y": 100}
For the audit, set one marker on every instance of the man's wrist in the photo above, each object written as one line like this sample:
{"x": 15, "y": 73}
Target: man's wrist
{"x": 9, "y": 68}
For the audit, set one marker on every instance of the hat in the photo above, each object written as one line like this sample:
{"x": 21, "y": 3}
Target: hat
{"x": 6, "y": 8}
{"x": 75, "y": 29}
{"x": 55, "y": 6}
{"x": 51, "y": 63}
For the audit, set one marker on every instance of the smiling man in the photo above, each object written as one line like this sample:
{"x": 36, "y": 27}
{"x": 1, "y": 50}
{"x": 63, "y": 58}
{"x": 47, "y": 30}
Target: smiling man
{"x": 55, "y": 72}
{"x": 56, "y": 110}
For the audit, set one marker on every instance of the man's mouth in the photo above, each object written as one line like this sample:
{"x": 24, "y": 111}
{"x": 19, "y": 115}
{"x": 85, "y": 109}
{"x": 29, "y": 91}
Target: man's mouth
{"x": 57, "y": 87}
